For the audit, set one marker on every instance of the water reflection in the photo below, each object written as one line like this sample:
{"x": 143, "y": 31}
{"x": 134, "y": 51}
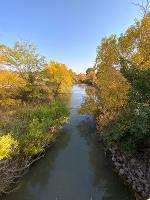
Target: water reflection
{"x": 106, "y": 184}
{"x": 90, "y": 102}
{"x": 65, "y": 98}
{"x": 36, "y": 182}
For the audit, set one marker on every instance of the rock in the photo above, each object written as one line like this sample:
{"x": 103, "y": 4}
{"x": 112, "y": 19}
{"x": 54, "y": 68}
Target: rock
{"x": 121, "y": 171}
{"x": 113, "y": 159}
{"x": 144, "y": 194}
{"x": 134, "y": 170}
{"x": 144, "y": 181}
{"x": 126, "y": 169}
{"x": 133, "y": 186}
{"x": 132, "y": 161}
{"x": 118, "y": 164}
{"x": 140, "y": 174}
{"x": 139, "y": 188}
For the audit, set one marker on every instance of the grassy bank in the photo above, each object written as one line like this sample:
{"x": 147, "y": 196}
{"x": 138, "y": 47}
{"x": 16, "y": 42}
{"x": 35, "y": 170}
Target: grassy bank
{"x": 25, "y": 134}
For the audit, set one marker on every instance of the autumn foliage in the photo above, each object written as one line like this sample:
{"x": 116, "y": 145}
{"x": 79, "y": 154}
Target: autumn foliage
{"x": 31, "y": 111}
{"x": 26, "y": 77}
{"x": 88, "y": 78}
{"x": 60, "y": 75}
{"x": 11, "y": 85}
{"x": 123, "y": 88}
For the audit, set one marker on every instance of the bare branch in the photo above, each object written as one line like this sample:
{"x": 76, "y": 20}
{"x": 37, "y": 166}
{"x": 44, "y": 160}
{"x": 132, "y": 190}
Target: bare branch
{"x": 144, "y": 6}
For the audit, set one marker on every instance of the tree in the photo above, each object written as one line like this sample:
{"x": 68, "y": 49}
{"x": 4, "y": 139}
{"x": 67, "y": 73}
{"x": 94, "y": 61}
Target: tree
{"x": 144, "y": 6}
{"x": 123, "y": 85}
{"x": 2, "y": 56}
{"x": 112, "y": 86}
{"x": 89, "y": 70}
{"x": 81, "y": 78}
{"x": 91, "y": 77}
{"x": 107, "y": 53}
{"x": 61, "y": 77}
{"x": 11, "y": 87}
{"x": 132, "y": 130}
{"x": 134, "y": 44}
{"x": 139, "y": 80}
{"x": 24, "y": 60}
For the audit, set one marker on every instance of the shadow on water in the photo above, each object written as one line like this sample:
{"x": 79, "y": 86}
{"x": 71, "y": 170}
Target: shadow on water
{"x": 75, "y": 168}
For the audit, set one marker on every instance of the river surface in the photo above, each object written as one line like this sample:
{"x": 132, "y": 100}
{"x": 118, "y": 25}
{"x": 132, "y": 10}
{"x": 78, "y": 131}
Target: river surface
{"x": 75, "y": 168}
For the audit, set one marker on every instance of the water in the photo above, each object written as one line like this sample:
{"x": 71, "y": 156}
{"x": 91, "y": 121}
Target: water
{"x": 75, "y": 168}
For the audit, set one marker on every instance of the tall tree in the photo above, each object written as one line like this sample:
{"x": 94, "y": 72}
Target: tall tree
{"x": 24, "y": 60}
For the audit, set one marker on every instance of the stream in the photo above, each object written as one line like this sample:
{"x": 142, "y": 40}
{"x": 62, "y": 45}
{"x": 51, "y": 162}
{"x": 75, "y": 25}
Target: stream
{"x": 75, "y": 168}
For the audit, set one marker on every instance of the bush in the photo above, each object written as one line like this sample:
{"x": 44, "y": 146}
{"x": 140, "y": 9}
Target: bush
{"x": 132, "y": 131}
{"x": 34, "y": 127}
{"x": 8, "y": 146}
{"x": 40, "y": 131}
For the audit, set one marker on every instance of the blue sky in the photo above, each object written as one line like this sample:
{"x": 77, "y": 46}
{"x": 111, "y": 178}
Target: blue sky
{"x": 67, "y": 31}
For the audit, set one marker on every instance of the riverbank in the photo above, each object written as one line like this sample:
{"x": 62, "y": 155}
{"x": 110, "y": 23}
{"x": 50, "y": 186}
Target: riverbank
{"x": 135, "y": 171}
{"x": 27, "y": 133}
{"x": 132, "y": 166}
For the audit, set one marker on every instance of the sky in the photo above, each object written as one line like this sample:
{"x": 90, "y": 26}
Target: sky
{"x": 67, "y": 31}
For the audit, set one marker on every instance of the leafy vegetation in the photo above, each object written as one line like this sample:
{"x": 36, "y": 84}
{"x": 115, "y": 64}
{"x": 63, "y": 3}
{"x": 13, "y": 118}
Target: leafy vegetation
{"x": 8, "y": 146}
{"x": 60, "y": 75}
{"x": 26, "y": 77}
{"x": 122, "y": 106}
{"x": 37, "y": 128}
{"x": 11, "y": 86}
{"x": 89, "y": 77}
{"x": 133, "y": 126}
{"x": 26, "y": 80}
{"x": 31, "y": 110}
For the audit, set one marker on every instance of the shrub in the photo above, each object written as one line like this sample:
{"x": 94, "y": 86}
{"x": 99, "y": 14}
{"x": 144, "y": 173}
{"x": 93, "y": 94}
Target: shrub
{"x": 132, "y": 131}
{"x": 34, "y": 126}
{"x": 8, "y": 146}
